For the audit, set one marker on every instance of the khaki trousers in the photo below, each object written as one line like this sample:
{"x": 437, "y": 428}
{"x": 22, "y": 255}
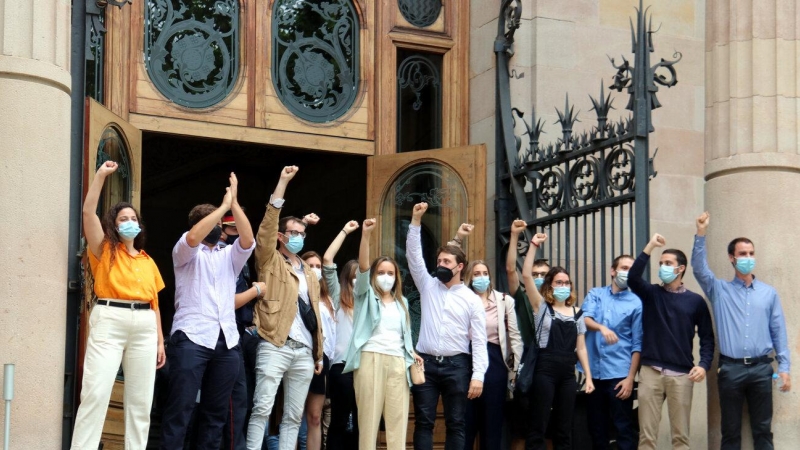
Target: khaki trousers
{"x": 117, "y": 335}
{"x": 382, "y": 389}
{"x": 654, "y": 388}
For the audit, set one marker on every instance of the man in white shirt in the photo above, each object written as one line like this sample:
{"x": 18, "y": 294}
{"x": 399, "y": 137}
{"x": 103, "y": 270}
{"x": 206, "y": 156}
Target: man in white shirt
{"x": 453, "y": 317}
{"x": 203, "y": 347}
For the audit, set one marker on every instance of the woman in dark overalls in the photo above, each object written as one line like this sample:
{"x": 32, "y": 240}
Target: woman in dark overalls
{"x": 560, "y": 333}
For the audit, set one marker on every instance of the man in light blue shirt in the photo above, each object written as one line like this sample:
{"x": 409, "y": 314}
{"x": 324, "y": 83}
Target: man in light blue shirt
{"x": 750, "y": 325}
{"x": 613, "y": 315}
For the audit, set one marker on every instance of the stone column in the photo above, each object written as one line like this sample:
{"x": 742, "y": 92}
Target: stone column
{"x": 34, "y": 212}
{"x": 752, "y": 166}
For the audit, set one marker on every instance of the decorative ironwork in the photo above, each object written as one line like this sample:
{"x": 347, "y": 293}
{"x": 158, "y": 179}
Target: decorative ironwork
{"x": 420, "y": 13}
{"x": 588, "y": 190}
{"x": 95, "y": 54}
{"x": 315, "y": 66}
{"x": 192, "y": 49}
{"x": 418, "y": 81}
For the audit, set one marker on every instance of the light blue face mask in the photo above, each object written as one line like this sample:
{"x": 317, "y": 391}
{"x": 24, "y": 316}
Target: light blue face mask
{"x": 667, "y": 274}
{"x": 561, "y": 293}
{"x": 539, "y": 282}
{"x": 745, "y": 265}
{"x": 295, "y": 244}
{"x": 480, "y": 284}
{"x": 128, "y": 230}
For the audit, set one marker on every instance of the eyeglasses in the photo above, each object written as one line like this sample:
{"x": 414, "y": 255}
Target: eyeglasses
{"x": 295, "y": 233}
{"x": 562, "y": 283}
{"x": 539, "y": 274}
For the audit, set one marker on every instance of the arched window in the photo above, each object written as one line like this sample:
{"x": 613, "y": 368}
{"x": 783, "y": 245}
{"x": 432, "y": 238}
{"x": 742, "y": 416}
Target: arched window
{"x": 191, "y": 49}
{"x": 315, "y": 57}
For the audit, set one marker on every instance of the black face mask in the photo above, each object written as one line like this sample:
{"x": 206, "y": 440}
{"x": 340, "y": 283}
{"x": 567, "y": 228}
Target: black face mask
{"x": 231, "y": 239}
{"x": 213, "y": 236}
{"x": 444, "y": 274}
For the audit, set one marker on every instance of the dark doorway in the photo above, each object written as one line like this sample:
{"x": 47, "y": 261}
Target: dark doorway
{"x": 180, "y": 172}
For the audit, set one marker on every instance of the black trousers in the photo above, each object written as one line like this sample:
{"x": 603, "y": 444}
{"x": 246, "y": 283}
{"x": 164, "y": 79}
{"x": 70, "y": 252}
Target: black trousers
{"x": 485, "y": 414}
{"x": 342, "y": 434}
{"x": 737, "y": 383}
{"x": 196, "y": 368}
{"x": 554, "y": 386}
{"x": 450, "y": 378}
{"x": 604, "y": 407}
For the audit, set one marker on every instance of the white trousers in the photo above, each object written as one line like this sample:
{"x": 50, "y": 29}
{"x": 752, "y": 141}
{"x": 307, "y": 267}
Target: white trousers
{"x": 117, "y": 335}
{"x": 295, "y": 366}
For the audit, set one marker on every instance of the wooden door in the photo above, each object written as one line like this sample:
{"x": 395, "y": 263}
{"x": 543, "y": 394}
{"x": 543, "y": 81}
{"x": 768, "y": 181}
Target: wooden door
{"x": 108, "y": 137}
{"x": 453, "y": 183}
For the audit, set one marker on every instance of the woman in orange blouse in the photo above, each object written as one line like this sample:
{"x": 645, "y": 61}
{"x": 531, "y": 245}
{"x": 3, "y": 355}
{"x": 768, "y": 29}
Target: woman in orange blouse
{"x": 125, "y": 324}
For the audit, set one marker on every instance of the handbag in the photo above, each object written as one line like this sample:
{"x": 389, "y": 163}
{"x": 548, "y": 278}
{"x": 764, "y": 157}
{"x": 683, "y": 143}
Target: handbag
{"x": 307, "y": 314}
{"x": 417, "y": 371}
{"x": 524, "y": 379}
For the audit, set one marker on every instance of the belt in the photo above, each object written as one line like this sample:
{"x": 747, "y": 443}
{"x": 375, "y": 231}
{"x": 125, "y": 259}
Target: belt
{"x": 126, "y": 305}
{"x": 440, "y": 359}
{"x": 291, "y": 343}
{"x": 748, "y": 360}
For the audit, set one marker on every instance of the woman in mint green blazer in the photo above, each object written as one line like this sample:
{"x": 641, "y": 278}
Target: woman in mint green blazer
{"x": 381, "y": 350}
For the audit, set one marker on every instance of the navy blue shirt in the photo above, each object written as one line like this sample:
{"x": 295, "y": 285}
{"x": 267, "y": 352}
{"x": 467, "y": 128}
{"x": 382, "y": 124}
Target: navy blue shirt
{"x": 669, "y": 320}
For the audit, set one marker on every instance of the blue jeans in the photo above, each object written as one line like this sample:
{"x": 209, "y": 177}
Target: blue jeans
{"x": 604, "y": 406}
{"x": 271, "y": 441}
{"x": 195, "y": 368}
{"x": 448, "y": 377}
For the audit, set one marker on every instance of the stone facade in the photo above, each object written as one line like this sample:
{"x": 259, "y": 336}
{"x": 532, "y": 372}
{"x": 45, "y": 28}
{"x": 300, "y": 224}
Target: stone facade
{"x": 34, "y": 212}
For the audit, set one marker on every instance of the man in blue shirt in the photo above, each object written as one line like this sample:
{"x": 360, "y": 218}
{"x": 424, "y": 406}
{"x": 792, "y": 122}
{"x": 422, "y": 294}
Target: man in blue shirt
{"x": 614, "y": 316}
{"x": 750, "y": 325}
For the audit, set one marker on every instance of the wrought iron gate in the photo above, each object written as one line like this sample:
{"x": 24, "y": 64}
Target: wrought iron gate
{"x": 588, "y": 191}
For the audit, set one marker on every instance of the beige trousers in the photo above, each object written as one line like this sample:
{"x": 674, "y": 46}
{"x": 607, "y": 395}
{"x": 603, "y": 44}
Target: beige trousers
{"x": 129, "y": 337}
{"x": 654, "y": 388}
{"x": 382, "y": 389}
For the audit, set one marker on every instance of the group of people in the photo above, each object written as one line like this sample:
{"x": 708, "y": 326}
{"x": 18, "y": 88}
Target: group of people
{"x": 347, "y": 336}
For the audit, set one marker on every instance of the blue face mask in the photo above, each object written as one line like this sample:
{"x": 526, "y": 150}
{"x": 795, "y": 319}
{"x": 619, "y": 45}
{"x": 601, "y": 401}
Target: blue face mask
{"x": 539, "y": 282}
{"x": 128, "y": 230}
{"x": 295, "y": 244}
{"x": 480, "y": 284}
{"x": 561, "y": 293}
{"x": 667, "y": 274}
{"x": 745, "y": 265}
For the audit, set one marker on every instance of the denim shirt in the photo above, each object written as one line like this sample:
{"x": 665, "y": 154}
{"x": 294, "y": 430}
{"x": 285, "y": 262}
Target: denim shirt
{"x": 622, "y": 314}
{"x": 366, "y": 317}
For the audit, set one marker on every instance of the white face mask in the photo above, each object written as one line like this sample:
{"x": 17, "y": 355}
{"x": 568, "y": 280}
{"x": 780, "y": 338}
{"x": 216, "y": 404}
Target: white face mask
{"x": 385, "y": 282}
{"x": 318, "y": 272}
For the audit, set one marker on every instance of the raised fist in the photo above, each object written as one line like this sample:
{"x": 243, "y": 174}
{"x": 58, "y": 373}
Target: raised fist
{"x": 518, "y": 226}
{"x": 702, "y": 221}
{"x": 351, "y": 226}
{"x": 419, "y": 209}
{"x": 658, "y": 241}
{"x": 465, "y": 229}
{"x": 107, "y": 168}
{"x": 289, "y": 172}
{"x": 369, "y": 225}
{"x": 538, "y": 239}
{"x": 311, "y": 219}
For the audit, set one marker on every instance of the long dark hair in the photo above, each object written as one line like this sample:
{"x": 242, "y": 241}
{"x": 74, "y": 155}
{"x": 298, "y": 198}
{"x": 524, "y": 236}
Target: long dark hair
{"x": 346, "y": 301}
{"x": 547, "y": 287}
{"x": 109, "y": 223}
{"x": 324, "y": 292}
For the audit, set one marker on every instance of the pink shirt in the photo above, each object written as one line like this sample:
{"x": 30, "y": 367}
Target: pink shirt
{"x": 492, "y": 323}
